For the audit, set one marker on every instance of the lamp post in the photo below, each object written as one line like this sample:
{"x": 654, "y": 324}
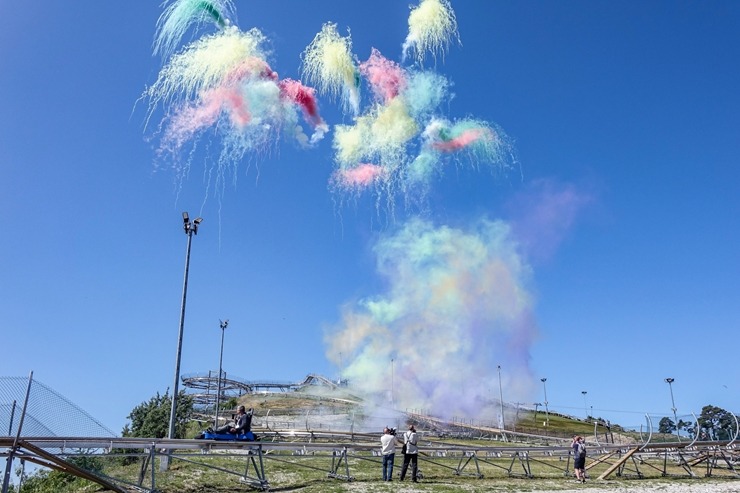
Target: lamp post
{"x": 501, "y": 398}
{"x": 585, "y": 406}
{"x": 547, "y": 410}
{"x": 190, "y": 228}
{"x": 392, "y": 379}
{"x": 670, "y": 381}
{"x": 223, "y": 326}
{"x": 340, "y": 368}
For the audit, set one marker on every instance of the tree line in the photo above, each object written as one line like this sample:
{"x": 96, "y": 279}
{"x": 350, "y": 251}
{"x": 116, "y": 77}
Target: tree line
{"x": 714, "y": 423}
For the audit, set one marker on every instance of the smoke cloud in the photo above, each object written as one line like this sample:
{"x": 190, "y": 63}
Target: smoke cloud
{"x": 543, "y": 214}
{"x": 456, "y": 305}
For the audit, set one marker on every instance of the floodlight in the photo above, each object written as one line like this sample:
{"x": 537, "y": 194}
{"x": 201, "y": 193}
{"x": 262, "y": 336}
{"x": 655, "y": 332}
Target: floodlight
{"x": 189, "y": 228}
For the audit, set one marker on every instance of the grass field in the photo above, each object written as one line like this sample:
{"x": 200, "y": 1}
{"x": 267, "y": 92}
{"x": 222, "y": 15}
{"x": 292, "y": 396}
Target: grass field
{"x": 466, "y": 460}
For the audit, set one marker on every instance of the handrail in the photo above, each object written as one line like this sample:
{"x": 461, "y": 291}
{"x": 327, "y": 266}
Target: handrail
{"x": 737, "y": 429}
{"x": 696, "y": 430}
{"x": 650, "y": 432}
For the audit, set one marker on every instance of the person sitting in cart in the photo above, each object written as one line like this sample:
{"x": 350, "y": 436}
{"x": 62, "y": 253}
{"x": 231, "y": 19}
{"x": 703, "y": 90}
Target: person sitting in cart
{"x": 242, "y": 423}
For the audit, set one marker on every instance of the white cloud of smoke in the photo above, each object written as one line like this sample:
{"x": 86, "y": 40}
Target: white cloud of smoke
{"x": 457, "y": 304}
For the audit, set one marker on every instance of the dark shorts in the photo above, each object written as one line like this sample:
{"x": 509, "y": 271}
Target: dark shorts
{"x": 579, "y": 463}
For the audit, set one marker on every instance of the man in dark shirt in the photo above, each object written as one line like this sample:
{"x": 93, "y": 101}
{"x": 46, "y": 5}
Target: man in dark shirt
{"x": 242, "y": 423}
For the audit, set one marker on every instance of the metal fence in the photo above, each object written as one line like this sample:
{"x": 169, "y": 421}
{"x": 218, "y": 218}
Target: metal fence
{"x": 47, "y": 413}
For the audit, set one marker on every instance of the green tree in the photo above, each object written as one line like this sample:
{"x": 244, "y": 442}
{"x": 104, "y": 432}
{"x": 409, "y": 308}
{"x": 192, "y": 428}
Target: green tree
{"x": 716, "y": 423}
{"x": 666, "y": 426}
{"x": 151, "y": 419}
{"x": 231, "y": 403}
{"x": 688, "y": 426}
{"x": 52, "y": 481}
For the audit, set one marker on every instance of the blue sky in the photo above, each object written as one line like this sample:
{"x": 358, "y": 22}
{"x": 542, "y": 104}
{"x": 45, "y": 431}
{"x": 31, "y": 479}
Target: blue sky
{"x": 627, "y": 108}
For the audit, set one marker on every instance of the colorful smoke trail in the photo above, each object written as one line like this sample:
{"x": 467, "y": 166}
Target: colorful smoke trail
{"x": 181, "y": 15}
{"x": 221, "y": 88}
{"x": 457, "y": 304}
{"x": 208, "y": 62}
{"x": 329, "y": 64}
{"x": 400, "y": 142}
{"x": 386, "y": 78}
{"x": 432, "y": 25}
{"x": 402, "y": 133}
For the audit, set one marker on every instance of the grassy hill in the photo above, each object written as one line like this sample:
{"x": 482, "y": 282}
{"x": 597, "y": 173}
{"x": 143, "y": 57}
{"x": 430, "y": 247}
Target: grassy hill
{"x": 302, "y": 433}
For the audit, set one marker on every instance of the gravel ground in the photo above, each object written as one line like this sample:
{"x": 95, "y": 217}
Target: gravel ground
{"x": 703, "y": 485}
{"x": 696, "y": 486}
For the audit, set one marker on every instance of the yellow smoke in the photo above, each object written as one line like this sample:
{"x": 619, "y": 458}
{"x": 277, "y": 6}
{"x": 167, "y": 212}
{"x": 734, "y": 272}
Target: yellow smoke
{"x": 204, "y": 64}
{"x": 392, "y": 125}
{"x": 329, "y": 65}
{"x": 379, "y": 136}
{"x": 431, "y": 26}
{"x": 351, "y": 141}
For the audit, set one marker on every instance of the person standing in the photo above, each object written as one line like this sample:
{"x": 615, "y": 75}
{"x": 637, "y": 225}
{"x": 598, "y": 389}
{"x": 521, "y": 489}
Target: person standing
{"x": 579, "y": 458}
{"x": 411, "y": 453}
{"x": 388, "y": 450}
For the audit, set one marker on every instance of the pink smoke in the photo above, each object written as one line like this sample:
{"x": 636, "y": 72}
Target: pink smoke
{"x": 387, "y": 78}
{"x": 360, "y": 176}
{"x": 251, "y": 67}
{"x": 466, "y": 138}
{"x": 544, "y": 214}
{"x": 192, "y": 119}
{"x": 304, "y": 97}
{"x": 231, "y": 99}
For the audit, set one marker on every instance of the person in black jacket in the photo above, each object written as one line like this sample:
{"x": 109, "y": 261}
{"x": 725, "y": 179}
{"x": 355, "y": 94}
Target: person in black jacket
{"x": 242, "y": 423}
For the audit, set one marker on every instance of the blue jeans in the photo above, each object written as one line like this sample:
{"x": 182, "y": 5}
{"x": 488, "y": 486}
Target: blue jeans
{"x": 388, "y": 467}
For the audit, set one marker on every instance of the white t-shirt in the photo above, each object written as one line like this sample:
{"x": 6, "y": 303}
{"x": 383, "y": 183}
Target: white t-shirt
{"x": 387, "y": 444}
{"x": 410, "y": 439}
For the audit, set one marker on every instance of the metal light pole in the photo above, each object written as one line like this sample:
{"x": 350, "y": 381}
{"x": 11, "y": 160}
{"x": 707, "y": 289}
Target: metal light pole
{"x": 501, "y": 398}
{"x": 547, "y": 410}
{"x": 223, "y": 326}
{"x": 670, "y": 381}
{"x": 190, "y": 228}
{"x": 585, "y": 406}
{"x": 392, "y": 379}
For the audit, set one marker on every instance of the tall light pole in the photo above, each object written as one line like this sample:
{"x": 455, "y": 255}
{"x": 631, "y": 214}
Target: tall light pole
{"x": 223, "y": 326}
{"x": 340, "y": 369}
{"x": 392, "y": 379}
{"x": 190, "y": 228}
{"x": 585, "y": 406}
{"x": 547, "y": 410}
{"x": 670, "y": 381}
{"x": 501, "y": 398}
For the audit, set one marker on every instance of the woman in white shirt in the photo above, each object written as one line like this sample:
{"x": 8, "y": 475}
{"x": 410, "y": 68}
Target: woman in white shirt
{"x": 411, "y": 454}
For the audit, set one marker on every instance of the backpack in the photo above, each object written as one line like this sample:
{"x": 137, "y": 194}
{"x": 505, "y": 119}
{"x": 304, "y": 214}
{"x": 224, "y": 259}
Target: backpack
{"x": 581, "y": 450}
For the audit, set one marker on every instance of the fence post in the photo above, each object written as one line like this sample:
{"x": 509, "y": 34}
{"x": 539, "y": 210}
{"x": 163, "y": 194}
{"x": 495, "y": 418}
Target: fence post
{"x": 11, "y": 454}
